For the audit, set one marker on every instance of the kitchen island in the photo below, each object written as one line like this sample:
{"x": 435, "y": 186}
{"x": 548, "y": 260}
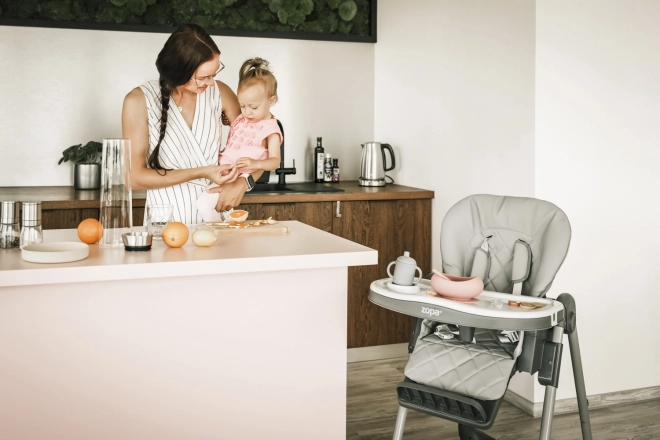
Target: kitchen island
{"x": 391, "y": 219}
{"x": 245, "y": 339}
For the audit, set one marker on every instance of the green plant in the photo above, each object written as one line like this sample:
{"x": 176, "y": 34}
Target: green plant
{"x": 79, "y": 154}
{"x": 329, "y": 17}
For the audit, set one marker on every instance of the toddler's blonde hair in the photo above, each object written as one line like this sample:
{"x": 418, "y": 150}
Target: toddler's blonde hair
{"x": 256, "y": 71}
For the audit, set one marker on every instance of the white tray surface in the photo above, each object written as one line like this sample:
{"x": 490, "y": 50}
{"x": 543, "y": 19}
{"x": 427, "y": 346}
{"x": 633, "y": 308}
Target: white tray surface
{"x": 482, "y": 307}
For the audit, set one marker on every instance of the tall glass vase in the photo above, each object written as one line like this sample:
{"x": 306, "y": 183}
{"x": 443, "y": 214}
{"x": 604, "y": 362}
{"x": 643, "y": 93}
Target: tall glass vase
{"x": 116, "y": 195}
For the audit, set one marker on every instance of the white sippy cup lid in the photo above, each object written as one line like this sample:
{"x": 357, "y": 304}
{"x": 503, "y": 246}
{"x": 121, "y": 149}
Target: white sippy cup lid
{"x": 405, "y": 259}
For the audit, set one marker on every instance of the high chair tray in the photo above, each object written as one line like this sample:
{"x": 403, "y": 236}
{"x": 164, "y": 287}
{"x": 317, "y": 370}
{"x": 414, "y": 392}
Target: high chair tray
{"x": 481, "y": 313}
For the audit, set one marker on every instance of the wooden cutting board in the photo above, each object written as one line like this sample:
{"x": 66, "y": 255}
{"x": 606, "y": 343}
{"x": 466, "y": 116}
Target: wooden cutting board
{"x": 277, "y": 228}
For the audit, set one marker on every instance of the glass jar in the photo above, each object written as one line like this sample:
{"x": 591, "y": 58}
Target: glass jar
{"x": 9, "y": 227}
{"x": 31, "y": 231}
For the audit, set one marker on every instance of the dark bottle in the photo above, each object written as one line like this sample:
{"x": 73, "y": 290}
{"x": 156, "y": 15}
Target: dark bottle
{"x": 318, "y": 161}
{"x": 335, "y": 170}
{"x": 327, "y": 168}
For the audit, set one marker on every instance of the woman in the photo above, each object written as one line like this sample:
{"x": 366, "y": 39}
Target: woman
{"x": 174, "y": 152}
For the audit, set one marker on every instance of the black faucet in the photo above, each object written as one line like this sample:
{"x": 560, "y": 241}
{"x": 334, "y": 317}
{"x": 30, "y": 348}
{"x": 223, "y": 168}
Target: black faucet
{"x": 282, "y": 171}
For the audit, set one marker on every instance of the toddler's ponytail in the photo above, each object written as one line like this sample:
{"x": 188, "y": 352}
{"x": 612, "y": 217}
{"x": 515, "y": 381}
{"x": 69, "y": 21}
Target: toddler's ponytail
{"x": 257, "y": 70}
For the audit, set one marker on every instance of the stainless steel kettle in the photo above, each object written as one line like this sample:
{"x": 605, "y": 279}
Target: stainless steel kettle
{"x": 373, "y": 164}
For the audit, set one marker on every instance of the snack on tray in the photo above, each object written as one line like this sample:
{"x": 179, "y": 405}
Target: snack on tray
{"x": 237, "y": 225}
{"x": 238, "y": 215}
{"x": 243, "y": 224}
{"x": 531, "y": 306}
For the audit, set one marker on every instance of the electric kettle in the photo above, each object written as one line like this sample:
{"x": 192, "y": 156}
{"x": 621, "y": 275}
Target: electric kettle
{"x": 373, "y": 164}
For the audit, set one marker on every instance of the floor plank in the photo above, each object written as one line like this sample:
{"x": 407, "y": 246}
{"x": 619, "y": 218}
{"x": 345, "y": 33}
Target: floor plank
{"x": 372, "y": 407}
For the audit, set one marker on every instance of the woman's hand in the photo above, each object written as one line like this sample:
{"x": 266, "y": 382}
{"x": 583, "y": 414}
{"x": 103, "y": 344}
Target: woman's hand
{"x": 221, "y": 174}
{"x": 231, "y": 194}
{"x": 246, "y": 162}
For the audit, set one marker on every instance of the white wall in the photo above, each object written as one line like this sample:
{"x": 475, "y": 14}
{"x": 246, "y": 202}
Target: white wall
{"x": 62, "y": 87}
{"x": 455, "y": 91}
{"x": 597, "y": 156}
{"x": 454, "y": 95}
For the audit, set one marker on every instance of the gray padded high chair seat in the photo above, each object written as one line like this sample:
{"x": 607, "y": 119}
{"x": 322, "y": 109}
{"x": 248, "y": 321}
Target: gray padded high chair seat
{"x": 516, "y": 246}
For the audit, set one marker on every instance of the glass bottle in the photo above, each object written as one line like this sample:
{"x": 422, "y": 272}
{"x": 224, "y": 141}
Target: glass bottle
{"x": 9, "y": 230}
{"x": 318, "y": 161}
{"x": 31, "y": 230}
{"x": 327, "y": 167}
{"x": 335, "y": 170}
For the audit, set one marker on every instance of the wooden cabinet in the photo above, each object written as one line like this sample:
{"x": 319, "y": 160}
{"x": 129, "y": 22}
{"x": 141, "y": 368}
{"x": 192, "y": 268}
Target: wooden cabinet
{"x": 391, "y": 227}
{"x": 317, "y": 214}
{"x": 71, "y": 218}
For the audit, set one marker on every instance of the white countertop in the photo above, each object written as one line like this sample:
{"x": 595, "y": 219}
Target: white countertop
{"x": 303, "y": 247}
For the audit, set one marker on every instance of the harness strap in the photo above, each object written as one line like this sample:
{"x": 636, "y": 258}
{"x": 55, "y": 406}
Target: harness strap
{"x": 481, "y": 264}
{"x": 522, "y": 262}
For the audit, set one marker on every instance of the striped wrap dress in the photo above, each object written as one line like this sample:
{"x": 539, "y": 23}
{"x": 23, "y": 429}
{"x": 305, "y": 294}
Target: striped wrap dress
{"x": 183, "y": 147}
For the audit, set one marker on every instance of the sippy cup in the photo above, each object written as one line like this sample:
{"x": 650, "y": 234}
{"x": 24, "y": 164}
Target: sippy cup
{"x": 404, "y": 272}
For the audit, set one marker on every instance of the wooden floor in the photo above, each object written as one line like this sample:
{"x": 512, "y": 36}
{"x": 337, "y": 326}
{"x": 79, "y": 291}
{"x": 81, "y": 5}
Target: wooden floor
{"x": 372, "y": 408}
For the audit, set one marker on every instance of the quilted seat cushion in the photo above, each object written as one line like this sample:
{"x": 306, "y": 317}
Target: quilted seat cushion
{"x": 480, "y": 370}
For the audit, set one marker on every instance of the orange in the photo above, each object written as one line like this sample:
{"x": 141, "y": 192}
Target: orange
{"x": 90, "y": 231}
{"x": 238, "y": 215}
{"x": 175, "y": 234}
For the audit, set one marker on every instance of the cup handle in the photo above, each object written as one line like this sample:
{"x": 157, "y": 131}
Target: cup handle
{"x": 415, "y": 281}
{"x": 388, "y": 269}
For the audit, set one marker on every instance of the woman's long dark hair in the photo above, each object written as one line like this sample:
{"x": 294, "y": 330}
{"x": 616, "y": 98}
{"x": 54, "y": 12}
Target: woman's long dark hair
{"x": 186, "y": 49}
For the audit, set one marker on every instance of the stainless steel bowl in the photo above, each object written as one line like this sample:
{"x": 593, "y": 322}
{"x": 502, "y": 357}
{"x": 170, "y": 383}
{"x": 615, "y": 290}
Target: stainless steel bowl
{"x": 137, "y": 241}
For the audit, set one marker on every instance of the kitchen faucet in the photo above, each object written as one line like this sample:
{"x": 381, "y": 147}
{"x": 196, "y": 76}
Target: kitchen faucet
{"x": 282, "y": 171}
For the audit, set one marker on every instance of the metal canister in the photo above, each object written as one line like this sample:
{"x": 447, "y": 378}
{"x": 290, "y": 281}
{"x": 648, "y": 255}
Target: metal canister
{"x": 31, "y": 213}
{"x": 31, "y": 228}
{"x": 9, "y": 227}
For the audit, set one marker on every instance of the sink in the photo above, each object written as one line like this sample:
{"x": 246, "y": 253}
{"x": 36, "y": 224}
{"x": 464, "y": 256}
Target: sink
{"x": 296, "y": 187}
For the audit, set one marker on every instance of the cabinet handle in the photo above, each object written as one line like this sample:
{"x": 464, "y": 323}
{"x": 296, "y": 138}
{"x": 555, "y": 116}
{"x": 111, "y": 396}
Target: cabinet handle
{"x": 338, "y": 212}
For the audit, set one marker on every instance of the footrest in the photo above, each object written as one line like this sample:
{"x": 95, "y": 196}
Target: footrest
{"x": 447, "y": 405}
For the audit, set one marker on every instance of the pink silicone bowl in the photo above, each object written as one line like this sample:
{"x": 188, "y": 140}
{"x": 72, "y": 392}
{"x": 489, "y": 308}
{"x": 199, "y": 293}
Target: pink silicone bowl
{"x": 452, "y": 287}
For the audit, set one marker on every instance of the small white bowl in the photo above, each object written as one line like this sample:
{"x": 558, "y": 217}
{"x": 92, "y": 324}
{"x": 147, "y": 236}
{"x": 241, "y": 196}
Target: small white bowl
{"x": 55, "y": 252}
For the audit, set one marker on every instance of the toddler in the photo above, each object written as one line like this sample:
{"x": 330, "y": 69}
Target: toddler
{"x": 254, "y": 137}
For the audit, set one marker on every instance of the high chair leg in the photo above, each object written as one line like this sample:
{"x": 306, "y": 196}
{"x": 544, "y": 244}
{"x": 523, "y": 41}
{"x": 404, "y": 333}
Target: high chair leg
{"x": 550, "y": 394}
{"x": 583, "y": 403}
{"x": 400, "y": 423}
{"x": 470, "y": 433}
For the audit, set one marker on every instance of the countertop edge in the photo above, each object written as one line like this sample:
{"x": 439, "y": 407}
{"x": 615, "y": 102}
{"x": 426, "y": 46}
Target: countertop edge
{"x": 66, "y": 275}
{"x": 304, "y": 247}
{"x": 65, "y": 197}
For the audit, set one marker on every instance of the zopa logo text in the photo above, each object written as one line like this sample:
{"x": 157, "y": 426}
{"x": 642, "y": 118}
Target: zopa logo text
{"x": 430, "y": 312}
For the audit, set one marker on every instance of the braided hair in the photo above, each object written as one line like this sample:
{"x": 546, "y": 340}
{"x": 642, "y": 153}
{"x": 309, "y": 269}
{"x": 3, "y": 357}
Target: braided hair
{"x": 184, "y": 51}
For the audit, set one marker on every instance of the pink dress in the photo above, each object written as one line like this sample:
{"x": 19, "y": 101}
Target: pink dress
{"x": 245, "y": 140}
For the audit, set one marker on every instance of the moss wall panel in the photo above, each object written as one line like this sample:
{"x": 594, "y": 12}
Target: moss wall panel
{"x": 337, "y": 20}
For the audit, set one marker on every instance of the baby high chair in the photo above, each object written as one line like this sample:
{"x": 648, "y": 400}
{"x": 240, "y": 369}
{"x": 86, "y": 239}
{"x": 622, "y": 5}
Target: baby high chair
{"x": 461, "y": 370}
